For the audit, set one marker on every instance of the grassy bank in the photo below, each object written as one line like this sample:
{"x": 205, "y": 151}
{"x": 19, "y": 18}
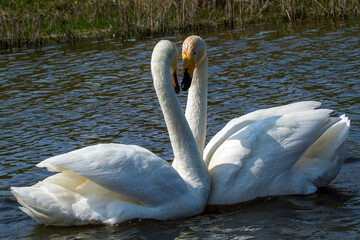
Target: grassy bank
{"x": 34, "y": 23}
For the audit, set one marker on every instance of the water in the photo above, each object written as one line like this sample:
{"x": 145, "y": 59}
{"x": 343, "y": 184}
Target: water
{"x": 65, "y": 98}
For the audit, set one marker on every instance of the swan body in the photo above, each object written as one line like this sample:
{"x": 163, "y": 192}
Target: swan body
{"x": 111, "y": 183}
{"x": 290, "y": 149}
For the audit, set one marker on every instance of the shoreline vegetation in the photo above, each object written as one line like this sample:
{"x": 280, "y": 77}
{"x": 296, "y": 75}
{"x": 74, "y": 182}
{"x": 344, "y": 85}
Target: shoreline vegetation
{"x": 37, "y": 23}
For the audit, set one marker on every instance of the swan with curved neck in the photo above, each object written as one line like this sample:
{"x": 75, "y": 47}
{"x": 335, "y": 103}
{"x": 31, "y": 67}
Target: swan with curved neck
{"x": 291, "y": 149}
{"x": 111, "y": 183}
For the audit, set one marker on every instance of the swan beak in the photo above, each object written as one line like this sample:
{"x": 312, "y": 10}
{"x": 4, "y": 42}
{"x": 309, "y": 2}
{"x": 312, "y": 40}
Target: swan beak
{"x": 189, "y": 66}
{"x": 175, "y": 81}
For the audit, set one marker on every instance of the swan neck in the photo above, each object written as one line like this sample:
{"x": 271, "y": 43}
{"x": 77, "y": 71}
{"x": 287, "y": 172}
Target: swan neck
{"x": 190, "y": 165}
{"x": 196, "y": 107}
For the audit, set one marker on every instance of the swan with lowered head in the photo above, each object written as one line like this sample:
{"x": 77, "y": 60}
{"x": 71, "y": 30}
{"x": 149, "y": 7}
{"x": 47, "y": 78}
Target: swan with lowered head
{"x": 111, "y": 183}
{"x": 291, "y": 149}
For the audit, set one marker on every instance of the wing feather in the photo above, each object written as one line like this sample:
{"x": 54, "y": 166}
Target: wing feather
{"x": 272, "y": 145}
{"x": 237, "y": 124}
{"x": 125, "y": 169}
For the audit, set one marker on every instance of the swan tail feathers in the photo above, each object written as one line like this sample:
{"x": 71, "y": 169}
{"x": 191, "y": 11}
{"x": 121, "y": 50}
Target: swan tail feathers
{"x": 52, "y": 204}
{"x": 322, "y": 161}
{"x": 40, "y": 205}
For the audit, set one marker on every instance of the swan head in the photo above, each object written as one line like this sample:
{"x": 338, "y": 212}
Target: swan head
{"x": 164, "y": 52}
{"x": 193, "y": 52}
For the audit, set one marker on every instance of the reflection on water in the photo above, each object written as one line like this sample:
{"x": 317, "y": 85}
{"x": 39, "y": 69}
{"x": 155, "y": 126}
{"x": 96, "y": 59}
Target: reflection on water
{"x": 64, "y": 98}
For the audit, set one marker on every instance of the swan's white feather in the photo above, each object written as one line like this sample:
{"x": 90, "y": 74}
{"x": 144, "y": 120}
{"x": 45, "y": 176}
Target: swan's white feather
{"x": 111, "y": 183}
{"x": 291, "y": 149}
{"x": 238, "y": 123}
{"x": 322, "y": 161}
{"x": 117, "y": 168}
{"x": 256, "y": 160}
{"x": 67, "y": 198}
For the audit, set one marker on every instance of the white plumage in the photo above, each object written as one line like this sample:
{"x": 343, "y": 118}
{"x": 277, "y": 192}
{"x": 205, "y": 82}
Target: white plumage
{"x": 291, "y": 149}
{"x": 111, "y": 183}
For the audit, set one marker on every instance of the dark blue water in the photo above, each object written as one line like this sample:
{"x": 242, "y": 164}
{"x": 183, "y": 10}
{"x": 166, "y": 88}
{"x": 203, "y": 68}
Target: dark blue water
{"x": 64, "y": 98}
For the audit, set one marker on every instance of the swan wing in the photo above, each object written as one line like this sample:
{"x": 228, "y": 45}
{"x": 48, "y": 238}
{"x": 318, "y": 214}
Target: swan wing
{"x": 322, "y": 161}
{"x": 124, "y": 169}
{"x": 236, "y": 124}
{"x": 257, "y": 160}
{"x": 270, "y": 146}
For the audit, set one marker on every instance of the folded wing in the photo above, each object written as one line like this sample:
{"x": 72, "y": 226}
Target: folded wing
{"x": 124, "y": 169}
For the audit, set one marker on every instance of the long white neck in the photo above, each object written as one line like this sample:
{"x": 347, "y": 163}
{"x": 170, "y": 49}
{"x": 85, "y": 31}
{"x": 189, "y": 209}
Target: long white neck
{"x": 196, "y": 107}
{"x": 190, "y": 165}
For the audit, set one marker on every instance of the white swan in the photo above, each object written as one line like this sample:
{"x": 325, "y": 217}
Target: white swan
{"x": 291, "y": 149}
{"x": 111, "y": 183}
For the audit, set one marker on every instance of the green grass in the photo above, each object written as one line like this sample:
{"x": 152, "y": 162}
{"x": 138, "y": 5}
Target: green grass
{"x": 34, "y": 23}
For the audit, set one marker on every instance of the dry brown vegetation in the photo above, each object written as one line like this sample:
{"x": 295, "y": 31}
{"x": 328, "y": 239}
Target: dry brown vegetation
{"x": 36, "y": 23}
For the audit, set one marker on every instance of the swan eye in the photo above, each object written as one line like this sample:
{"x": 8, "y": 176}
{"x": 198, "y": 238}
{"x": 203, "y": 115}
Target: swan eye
{"x": 194, "y": 53}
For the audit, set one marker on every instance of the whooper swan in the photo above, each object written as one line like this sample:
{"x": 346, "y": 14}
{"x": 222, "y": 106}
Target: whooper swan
{"x": 111, "y": 183}
{"x": 291, "y": 149}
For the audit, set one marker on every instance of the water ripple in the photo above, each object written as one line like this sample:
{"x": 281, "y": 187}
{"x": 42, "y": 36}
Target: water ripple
{"x": 64, "y": 98}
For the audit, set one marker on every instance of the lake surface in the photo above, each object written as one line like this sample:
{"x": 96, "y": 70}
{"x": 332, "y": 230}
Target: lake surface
{"x": 66, "y": 97}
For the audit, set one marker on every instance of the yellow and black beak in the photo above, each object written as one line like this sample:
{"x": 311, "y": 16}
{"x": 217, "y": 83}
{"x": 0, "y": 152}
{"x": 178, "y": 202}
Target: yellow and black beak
{"x": 189, "y": 66}
{"x": 175, "y": 81}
